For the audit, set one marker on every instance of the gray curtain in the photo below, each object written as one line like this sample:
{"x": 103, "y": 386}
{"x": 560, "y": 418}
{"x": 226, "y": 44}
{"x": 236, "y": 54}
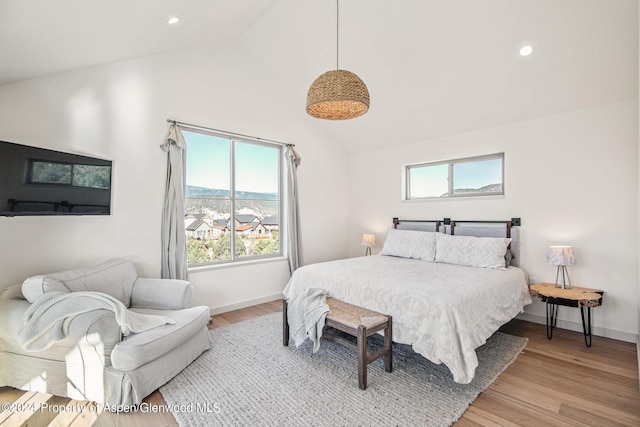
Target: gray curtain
{"x": 292, "y": 161}
{"x": 174, "y": 244}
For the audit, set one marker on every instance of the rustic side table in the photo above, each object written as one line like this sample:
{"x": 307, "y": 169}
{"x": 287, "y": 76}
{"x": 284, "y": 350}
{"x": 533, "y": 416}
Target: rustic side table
{"x": 570, "y": 297}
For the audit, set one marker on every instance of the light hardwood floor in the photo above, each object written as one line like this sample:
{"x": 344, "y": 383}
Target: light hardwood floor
{"x": 552, "y": 383}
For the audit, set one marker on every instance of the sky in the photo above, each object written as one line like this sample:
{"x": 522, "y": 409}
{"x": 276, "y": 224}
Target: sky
{"x": 477, "y": 173}
{"x": 429, "y": 181}
{"x": 209, "y": 164}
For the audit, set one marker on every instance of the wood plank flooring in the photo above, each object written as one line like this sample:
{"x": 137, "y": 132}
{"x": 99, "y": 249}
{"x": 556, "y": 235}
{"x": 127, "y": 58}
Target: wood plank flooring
{"x": 552, "y": 383}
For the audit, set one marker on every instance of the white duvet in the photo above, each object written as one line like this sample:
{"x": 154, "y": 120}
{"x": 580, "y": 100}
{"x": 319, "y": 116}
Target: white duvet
{"x": 443, "y": 311}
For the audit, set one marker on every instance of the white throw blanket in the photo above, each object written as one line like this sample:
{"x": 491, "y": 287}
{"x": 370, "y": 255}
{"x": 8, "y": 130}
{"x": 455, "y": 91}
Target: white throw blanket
{"x": 306, "y": 314}
{"x": 47, "y": 320}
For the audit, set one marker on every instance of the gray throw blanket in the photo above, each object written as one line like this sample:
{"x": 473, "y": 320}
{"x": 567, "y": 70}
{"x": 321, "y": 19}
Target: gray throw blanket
{"x": 306, "y": 314}
{"x": 47, "y": 320}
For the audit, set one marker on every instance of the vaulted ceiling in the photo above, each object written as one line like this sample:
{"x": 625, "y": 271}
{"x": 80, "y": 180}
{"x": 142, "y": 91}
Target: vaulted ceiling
{"x": 433, "y": 67}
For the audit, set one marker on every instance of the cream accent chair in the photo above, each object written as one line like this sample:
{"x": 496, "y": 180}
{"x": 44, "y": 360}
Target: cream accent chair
{"x": 95, "y": 362}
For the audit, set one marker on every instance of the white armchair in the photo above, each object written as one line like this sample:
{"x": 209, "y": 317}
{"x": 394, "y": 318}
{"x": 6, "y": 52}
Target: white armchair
{"x": 95, "y": 362}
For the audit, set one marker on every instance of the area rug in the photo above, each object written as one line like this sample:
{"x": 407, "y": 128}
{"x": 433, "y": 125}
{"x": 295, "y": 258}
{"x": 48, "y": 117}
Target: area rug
{"x": 249, "y": 378}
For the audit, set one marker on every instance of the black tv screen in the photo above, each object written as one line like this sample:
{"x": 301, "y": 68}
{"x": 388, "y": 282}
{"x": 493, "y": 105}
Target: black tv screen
{"x": 37, "y": 181}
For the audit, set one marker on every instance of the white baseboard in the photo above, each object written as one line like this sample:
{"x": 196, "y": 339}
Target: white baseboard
{"x": 638, "y": 353}
{"x": 575, "y": 326}
{"x": 244, "y": 304}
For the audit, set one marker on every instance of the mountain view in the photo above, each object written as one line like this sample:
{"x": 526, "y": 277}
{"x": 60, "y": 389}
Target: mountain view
{"x": 200, "y": 199}
{"x": 490, "y": 188}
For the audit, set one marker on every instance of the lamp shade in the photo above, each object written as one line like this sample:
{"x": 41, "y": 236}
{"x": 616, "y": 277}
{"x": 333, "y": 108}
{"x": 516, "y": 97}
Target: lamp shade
{"x": 368, "y": 240}
{"x": 337, "y": 95}
{"x": 561, "y": 255}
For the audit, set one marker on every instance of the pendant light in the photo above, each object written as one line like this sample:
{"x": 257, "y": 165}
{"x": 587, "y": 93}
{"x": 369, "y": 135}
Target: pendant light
{"x": 337, "y": 94}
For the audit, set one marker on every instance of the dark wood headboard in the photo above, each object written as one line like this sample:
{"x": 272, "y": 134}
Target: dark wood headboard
{"x": 437, "y": 222}
{"x": 472, "y": 228}
{"x": 508, "y": 225}
{"x": 452, "y": 223}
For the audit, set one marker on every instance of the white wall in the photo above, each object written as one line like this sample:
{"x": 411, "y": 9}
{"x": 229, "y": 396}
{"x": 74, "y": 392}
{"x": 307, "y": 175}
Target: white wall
{"x": 119, "y": 112}
{"x": 572, "y": 178}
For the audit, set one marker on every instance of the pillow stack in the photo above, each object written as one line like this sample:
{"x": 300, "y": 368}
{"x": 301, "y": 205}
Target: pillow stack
{"x": 471, "y": 251}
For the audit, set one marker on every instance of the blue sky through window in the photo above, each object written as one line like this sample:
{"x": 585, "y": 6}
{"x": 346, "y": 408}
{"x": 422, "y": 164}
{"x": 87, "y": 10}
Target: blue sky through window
{"x": 477, "y": 174}
{"x": 209, "y": 159}
{"x": 430, "y": 181}
{"x": 472, "y": 176}
{"x": 257, "y": 168}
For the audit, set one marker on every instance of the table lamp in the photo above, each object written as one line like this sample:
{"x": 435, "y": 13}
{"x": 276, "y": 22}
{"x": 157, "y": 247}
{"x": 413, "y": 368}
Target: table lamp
{"x": 561, "y": 256}
{"x": 368, "y": 240}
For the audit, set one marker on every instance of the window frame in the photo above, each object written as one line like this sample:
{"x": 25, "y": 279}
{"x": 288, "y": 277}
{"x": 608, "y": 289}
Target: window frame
{"x": 233, "y": 140}
{"x": 451, "y": 177}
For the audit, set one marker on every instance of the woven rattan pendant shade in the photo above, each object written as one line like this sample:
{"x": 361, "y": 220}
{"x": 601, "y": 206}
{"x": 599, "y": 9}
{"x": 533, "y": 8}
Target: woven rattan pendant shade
{"x": 337, "y": 95}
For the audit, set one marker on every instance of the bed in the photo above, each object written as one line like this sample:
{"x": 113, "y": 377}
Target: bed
{"x": 442, "y": 282}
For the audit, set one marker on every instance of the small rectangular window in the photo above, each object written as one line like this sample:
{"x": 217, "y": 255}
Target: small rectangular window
{"x": 474, "y": 176}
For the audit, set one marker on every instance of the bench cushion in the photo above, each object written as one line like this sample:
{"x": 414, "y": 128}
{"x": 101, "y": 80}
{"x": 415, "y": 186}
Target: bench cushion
{"x": 353, "y": 316}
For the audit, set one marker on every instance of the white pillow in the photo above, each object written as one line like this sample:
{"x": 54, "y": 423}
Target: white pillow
{"x": 35, "y": 286}
{"x": 410, "y": 244}
{"x": 114, "y": 277}
{"x": 485, "y": 252}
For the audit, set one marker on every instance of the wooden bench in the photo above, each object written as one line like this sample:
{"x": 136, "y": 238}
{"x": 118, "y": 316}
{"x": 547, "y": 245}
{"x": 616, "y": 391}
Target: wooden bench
{"x": 359, "y": 323}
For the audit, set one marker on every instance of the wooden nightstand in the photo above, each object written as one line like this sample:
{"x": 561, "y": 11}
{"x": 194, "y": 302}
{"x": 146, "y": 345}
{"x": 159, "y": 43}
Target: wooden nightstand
{"x": 572, "y": 297}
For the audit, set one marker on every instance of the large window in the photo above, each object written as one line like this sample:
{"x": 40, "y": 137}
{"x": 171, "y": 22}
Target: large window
{"x": 473, "y": 176}
{"x": 232, "y": 198}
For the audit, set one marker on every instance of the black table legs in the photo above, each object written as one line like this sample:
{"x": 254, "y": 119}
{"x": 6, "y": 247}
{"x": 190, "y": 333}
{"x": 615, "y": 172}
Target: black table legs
{"x": 552, "y": 319}
{"x": 586, "y": 327}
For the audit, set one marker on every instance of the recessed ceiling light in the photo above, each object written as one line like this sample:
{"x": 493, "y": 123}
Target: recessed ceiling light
{"x": 526, "y": 50}
{"x": 173, "y": 20}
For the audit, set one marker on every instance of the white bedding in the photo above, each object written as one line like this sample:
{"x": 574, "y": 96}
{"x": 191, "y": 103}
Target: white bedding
{"x": 443, "y": 311}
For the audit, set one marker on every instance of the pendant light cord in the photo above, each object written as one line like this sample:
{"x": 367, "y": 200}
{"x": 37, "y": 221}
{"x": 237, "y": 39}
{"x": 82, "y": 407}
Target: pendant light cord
{"x": 337, "y": 31}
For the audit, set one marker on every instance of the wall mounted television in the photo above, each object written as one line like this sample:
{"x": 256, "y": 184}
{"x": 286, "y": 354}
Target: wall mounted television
{"x": 38, "y": 181}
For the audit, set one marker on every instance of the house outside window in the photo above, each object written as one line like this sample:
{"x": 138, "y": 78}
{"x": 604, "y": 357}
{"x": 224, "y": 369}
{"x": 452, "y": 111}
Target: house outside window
{"x": 233, "y": 198}
{"x": 468, "y": 177}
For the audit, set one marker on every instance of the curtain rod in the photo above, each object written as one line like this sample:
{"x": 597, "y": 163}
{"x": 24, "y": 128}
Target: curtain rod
{"x": 231, "y": 134}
